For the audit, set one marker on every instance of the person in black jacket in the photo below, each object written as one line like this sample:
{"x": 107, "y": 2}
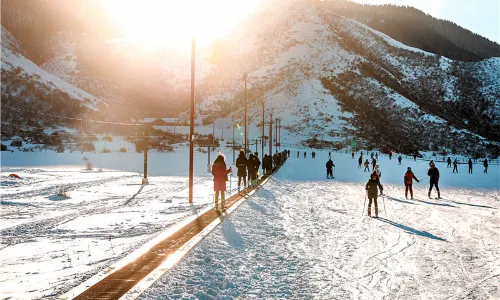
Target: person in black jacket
{"x": 449, "y": 162}
{"x": 455, "y": 165}
{"x": 329, "y": 168}
{"x": 433, "y": 179}
{"x": 470, "y": 166}
{"x": 250, "y": 169}
{"x": 360, "y": 162}
{"x": 256, "y": 168}
{"x": 485, "y": 164}
{"x": 241, "y": 164}
{"x": 371, "y": 190}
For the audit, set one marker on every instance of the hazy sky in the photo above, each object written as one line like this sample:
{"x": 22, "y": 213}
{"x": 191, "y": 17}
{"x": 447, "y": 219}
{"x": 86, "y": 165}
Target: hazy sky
{"x": 479, "y": 16}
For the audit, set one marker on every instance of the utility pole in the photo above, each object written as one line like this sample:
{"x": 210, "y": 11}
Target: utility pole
{"x": 191, "y": 125}
{"x": 279, "y": 133}
{"x": 246, "y": 141}
{"x": 256, "y": 143}
{"x": 263, "y": 128}
{"x": 271, "y": 135}
{"x": 81, "y": 135}
{"x": 276, "y": 131}
{"x": 232, "y": 124}
{"x": 145, "y": 150}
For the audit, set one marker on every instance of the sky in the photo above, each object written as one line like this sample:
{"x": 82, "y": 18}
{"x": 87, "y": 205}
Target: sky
{"x": 479, "y": 16}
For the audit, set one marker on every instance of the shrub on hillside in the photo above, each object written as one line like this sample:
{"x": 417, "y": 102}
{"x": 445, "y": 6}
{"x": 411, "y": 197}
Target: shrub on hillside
{"x": 123, "y": 150}
{"x": 88, "y": 147}
{"x": 4, "y": 147}
{"x": 16, "y": 143}
{"x": 105, "y": 150}
{"x": 107, "y": 138}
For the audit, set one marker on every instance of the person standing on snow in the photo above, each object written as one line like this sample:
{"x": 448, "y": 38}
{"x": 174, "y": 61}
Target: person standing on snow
{"x": 313, "y": 154}
{"x": 399, "y": 160}
{"x": 455, "y": 165}
{"x": 220, "y": 174}
{"x": 298, "y": 153}
{"x": 374, "y": 163}
{"x": 433, "y": 174}
{"x": 470, "y": 166}
{"x": 352, "y": 155}
{"x": 485, "y": 164}
{"x": 449, "y": 162}
{"x": 408, "y": 180}
{"x": 367, "y": 166}
{"x": 372, "y": 191}
{"x": 250, "y": 169}
{"x": 390, "y": 155}
{"x": 288, "y": 153}
{"x": 241, "y": 164}
{"x": 305, "y": 154}
{"x": 415, "y": 157}
{"x": 329, "y": 154}
{"x": 360, "y": 162}
{"x": 256, "y": 168}
{"x": 329, "y": 168}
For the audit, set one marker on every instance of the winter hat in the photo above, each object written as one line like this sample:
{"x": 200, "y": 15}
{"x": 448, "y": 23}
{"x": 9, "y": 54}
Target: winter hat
{"x": 409, "y": 168}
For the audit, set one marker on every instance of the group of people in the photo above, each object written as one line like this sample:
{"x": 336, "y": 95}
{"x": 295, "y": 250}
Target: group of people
{"x": 456, "y": 163}
{"x": 248, "y": 171}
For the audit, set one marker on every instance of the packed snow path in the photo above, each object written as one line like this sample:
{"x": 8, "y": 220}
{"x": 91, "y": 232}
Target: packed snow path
{"x": 299, "y": 238}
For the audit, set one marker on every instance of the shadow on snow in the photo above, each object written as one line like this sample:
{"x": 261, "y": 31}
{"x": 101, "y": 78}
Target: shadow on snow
{"x": 412, "y": 230}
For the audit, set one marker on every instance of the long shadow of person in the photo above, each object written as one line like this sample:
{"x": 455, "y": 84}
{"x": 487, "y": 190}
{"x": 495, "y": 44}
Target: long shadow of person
{"x": 412, "y": 230}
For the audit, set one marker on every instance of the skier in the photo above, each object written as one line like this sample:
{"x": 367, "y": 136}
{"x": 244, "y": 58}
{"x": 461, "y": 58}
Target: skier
{"x": 408, "y": 180}
{"x": 313, "y": 154}
{"x": 220, "y": 174}
{"x": 371, "y": 190}
{"x": 305, "y": 154}
{"x": 352, "y": 155}
{"x": 360, "y": 162}
{"x": 415, "y": 157}
{"x": 374, "y": 163}
{"x": 433, "y": 179}
{"x": 298, "y": 154}
{"x": 371, "y": 155}
{"x": 470, "y": 166}
{"x": 241, "y": 164}
{"x": 455, "y": 165}
{"x": 485, "y": 164}
{"x": 288, "y": 153}
{"x": 399, "y": 160}
{"x": 449, "y": 162}
{"x": 329, "y": 167}
{"x": 390, "y": 155}
{"x": 329, "y": 154}
{"x": 367, "y": 166}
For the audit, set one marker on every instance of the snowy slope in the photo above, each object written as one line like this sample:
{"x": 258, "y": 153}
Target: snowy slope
{"x": 12, "y": 59}
{"x": 304, "y": 237}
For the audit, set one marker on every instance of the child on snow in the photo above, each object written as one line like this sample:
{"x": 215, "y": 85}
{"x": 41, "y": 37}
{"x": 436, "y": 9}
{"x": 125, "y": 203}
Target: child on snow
{"x": 372, "y": 191}
{"x": 408, "y": 180}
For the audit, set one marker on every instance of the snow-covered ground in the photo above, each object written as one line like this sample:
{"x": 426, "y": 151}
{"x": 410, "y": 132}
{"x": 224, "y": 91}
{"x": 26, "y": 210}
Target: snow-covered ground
{"x": 280, "y": 243}
{"x": 303, "y": 236}
{"x": 51, "y": 243}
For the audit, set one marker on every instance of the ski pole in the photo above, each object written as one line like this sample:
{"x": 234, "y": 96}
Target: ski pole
{"x": 364, "y": 204}
{"x": 385, "y": 210}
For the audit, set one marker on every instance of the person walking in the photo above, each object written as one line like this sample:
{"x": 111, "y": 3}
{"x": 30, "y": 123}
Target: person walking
{"x": 399, "y": 160}
{"x": 367, "y": 166}
{"x": 352, "y": 155}
{"x": 390, "y": 155}
{"x": 408, "y": 180}
{"x": 449, "y": 162}
{"x": 485, "y": 164}
{"x": 288, "y": 152}
{"x": 374, "y": 163}
{"x": 329, "y": 168}
{"x": 433, "y": 174}
{"x": 372, "y": 191}
{"x": 455, "y": 165}
{"x": 360, "y": 162}
{"x": 313, "y": 154}
{"x": 415, "y": 157}
{"x": 329, "y": 154}
{"x": 298, "y": 153}
{"x": 250, "y": 169}
{"x": 220, "y": 172}
{"x": 256, "y": 166}
{"x": 305, "y": 154}
{"x": 241, "y": 164}
{"x": 470, "y": 166}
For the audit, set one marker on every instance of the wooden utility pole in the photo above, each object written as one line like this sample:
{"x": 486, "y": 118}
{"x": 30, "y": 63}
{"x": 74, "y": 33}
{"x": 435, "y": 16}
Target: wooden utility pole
{"x": 246, "y": 140}
{"x": 232, "y": 124}
{"x": 191, "y": 125}
{"x": 276, "y": 131}
{"x": 145, "y": 150}
{"x": 263, "y": 128}
{"x": 271, "y": 135}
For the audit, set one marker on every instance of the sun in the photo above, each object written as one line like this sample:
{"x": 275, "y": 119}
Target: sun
{"x": 158, "y": 23}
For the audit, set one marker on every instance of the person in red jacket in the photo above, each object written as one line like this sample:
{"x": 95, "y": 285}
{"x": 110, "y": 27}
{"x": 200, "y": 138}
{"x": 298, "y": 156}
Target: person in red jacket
{"x": 220, "y": 174}
{"x": 408, "y": 179}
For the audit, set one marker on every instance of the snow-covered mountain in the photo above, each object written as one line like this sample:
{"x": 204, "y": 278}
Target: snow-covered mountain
{"x": 329, "y": 78}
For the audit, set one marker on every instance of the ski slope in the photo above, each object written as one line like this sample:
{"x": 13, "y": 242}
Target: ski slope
{"x": 305, "y": 237}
